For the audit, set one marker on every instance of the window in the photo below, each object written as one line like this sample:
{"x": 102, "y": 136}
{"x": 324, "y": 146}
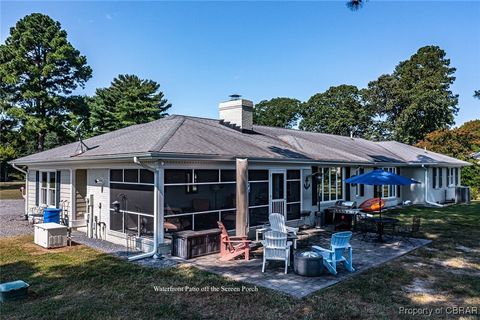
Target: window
{"x": 330, "y": 184}
{"x": 457, "y": 177}
{"x": 389, "y": 191}
{"x": 452, "y": 177}
{"x": 48, "y": 192}
{"x": 195, "y": 199}
{"x": 133, "y": 190}
{"x": 359, "y": 188}
{"x": 434, "y": 178}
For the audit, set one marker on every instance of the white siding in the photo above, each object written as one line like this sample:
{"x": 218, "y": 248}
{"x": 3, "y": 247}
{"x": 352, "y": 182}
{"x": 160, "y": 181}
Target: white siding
{"x": 100, "y": 198}
{"x": 31, "y": 189}
{"x": 414, "y": 192}
{"x": 65, "y": 189}
{"x": 445, "y": 193}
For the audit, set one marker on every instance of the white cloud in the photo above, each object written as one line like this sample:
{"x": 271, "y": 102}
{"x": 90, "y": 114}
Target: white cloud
{"x": 109, "y": 16}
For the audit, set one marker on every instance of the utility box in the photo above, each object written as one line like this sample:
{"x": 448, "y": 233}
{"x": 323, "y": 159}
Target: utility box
{"x": 50, "y": 235}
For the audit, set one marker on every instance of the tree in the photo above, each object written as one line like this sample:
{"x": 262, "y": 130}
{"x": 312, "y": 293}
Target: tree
{"x": 416, "y": 98}
{"x": 39, "y": 69}
{"x": 460, "y": 143}
{"x": 339, "y": 110}
{"x": 129, "y": 100}
{"x": 354, "y": 5}
{"x": 277, "y": 112}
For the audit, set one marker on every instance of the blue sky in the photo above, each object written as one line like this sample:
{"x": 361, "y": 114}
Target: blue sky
{"x": 200, "y": 52}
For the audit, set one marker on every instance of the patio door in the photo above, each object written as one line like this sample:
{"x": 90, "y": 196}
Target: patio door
{"x": 278, "y": 191}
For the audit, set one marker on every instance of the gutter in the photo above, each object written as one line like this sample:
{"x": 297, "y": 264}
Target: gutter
{"x": 21, "y": 170}
{"x": 152, "y": 253}
{"x": 25, "y": 196}
{"x": 426, "y": 190}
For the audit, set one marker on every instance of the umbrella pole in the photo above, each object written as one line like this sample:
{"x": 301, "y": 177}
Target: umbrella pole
{"x": 380, "y": 236}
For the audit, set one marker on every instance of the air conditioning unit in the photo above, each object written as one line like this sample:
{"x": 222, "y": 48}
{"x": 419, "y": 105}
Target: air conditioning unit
{"x": 50, "y": 235}
{"x": 462, "y": 195}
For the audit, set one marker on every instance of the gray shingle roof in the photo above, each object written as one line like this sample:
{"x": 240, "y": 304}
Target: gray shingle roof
{"x": 190, "y": 136}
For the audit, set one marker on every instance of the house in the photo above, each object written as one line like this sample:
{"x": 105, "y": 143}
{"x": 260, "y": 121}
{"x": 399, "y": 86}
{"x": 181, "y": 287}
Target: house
{"x": 186, "y": 173}
{"x": 476, "y": 156}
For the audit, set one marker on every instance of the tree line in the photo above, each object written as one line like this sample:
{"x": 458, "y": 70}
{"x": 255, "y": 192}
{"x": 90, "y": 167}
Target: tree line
{"x": 406, "y": 105}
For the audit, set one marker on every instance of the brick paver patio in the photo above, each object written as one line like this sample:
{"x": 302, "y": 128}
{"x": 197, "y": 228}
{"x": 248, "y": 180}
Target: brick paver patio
{"x": 366, "y": 254}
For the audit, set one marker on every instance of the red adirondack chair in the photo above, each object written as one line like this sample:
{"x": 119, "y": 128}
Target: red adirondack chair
{"x": 232, "y": 247}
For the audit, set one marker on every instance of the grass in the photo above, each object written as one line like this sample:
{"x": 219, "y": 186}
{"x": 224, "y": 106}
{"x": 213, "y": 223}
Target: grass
{"x": 81, "y": 283}
{"x": 11, "y": 190}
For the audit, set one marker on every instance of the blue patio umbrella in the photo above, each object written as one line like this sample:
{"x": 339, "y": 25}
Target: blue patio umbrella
{"x": 381, "y": 177}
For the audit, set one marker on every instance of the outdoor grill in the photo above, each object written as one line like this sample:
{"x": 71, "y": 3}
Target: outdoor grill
{"x": 341, "y": 214}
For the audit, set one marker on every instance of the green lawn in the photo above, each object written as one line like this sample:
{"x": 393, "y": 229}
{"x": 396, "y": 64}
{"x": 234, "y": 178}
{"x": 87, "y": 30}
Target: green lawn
{"x": 81, "y": 283}
{"x": 11, "y": 190}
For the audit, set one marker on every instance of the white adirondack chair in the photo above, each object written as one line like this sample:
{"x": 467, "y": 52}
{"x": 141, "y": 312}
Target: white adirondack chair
{"x": 277, "y": 223}
{"x": 340, "y": 243}
{"x": 276, "y": 247}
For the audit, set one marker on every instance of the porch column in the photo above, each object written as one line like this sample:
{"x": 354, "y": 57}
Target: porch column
{"x": 241, "y": 224}
{"x": 160, "y": 204}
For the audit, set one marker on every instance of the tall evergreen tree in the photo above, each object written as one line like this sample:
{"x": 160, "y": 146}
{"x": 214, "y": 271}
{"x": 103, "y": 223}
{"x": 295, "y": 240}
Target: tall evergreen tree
{"x": 277, "y": 112}
{"x": 339, "y": 110}
{"x": 39, "y": 69}
{"x": 129, "y": 100}
{"x": 416, "y": 98}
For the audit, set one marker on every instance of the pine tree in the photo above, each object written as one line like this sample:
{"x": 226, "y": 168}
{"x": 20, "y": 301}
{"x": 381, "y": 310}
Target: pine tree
{"x": 129, "y": 100}
{"x": 39, "y": 69}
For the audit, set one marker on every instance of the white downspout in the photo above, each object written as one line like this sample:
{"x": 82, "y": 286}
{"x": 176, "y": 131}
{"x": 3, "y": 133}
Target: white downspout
{"x": 426, "y": 190}
{"x": 26, "y": 185}
{"x": 156, "y": 193}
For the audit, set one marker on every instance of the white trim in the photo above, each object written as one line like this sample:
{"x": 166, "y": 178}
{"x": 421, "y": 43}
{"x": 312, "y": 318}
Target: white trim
{"x": 47, "y": 189}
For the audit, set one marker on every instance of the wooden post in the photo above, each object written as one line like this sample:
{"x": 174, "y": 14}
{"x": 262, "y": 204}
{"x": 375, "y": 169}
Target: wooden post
{"x": 241, "y": 224}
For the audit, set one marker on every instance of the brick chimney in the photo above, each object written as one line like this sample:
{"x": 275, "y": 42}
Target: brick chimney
{"x": 238, "y": 112}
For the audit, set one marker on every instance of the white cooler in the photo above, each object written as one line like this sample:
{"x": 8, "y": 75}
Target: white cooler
{"x": 50, "y": 235}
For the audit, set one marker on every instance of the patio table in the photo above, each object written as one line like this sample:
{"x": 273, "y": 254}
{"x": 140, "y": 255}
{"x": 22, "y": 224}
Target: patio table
{"x": 380, "y": 223}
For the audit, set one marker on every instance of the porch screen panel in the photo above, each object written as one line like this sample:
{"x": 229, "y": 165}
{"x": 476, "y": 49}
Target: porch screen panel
{"x": 195, "y": 199}
{"x": 258, "y": 197}
{"x": 133, "y": 189}
{"x": 293, "y": 194}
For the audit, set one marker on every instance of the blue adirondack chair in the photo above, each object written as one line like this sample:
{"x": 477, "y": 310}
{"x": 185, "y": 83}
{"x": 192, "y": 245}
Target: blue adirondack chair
{"x": 340, "y": 243}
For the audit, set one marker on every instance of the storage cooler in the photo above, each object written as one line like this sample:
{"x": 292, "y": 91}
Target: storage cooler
{"x": 50, "y": 235}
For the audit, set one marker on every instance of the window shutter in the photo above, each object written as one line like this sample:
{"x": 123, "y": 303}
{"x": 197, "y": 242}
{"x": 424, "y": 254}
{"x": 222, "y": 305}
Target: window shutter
{"x": 440, "y": 177}
{"x": 57, "y": 189}
{"x": 362, "y": 186}
{"x": 347, "y": 185}
{"x": 314, "y": 186}
{"x": 434, "y": 178}
{"x": 37, "y": 188}
{"x": 398, "y": 186}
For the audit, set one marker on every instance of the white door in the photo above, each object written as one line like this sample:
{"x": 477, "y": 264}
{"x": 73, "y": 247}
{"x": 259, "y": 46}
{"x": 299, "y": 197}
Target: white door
{"x": 278, "y": 191}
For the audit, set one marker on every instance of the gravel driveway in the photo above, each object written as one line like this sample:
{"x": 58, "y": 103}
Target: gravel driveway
{"x": 12, "y": 219}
